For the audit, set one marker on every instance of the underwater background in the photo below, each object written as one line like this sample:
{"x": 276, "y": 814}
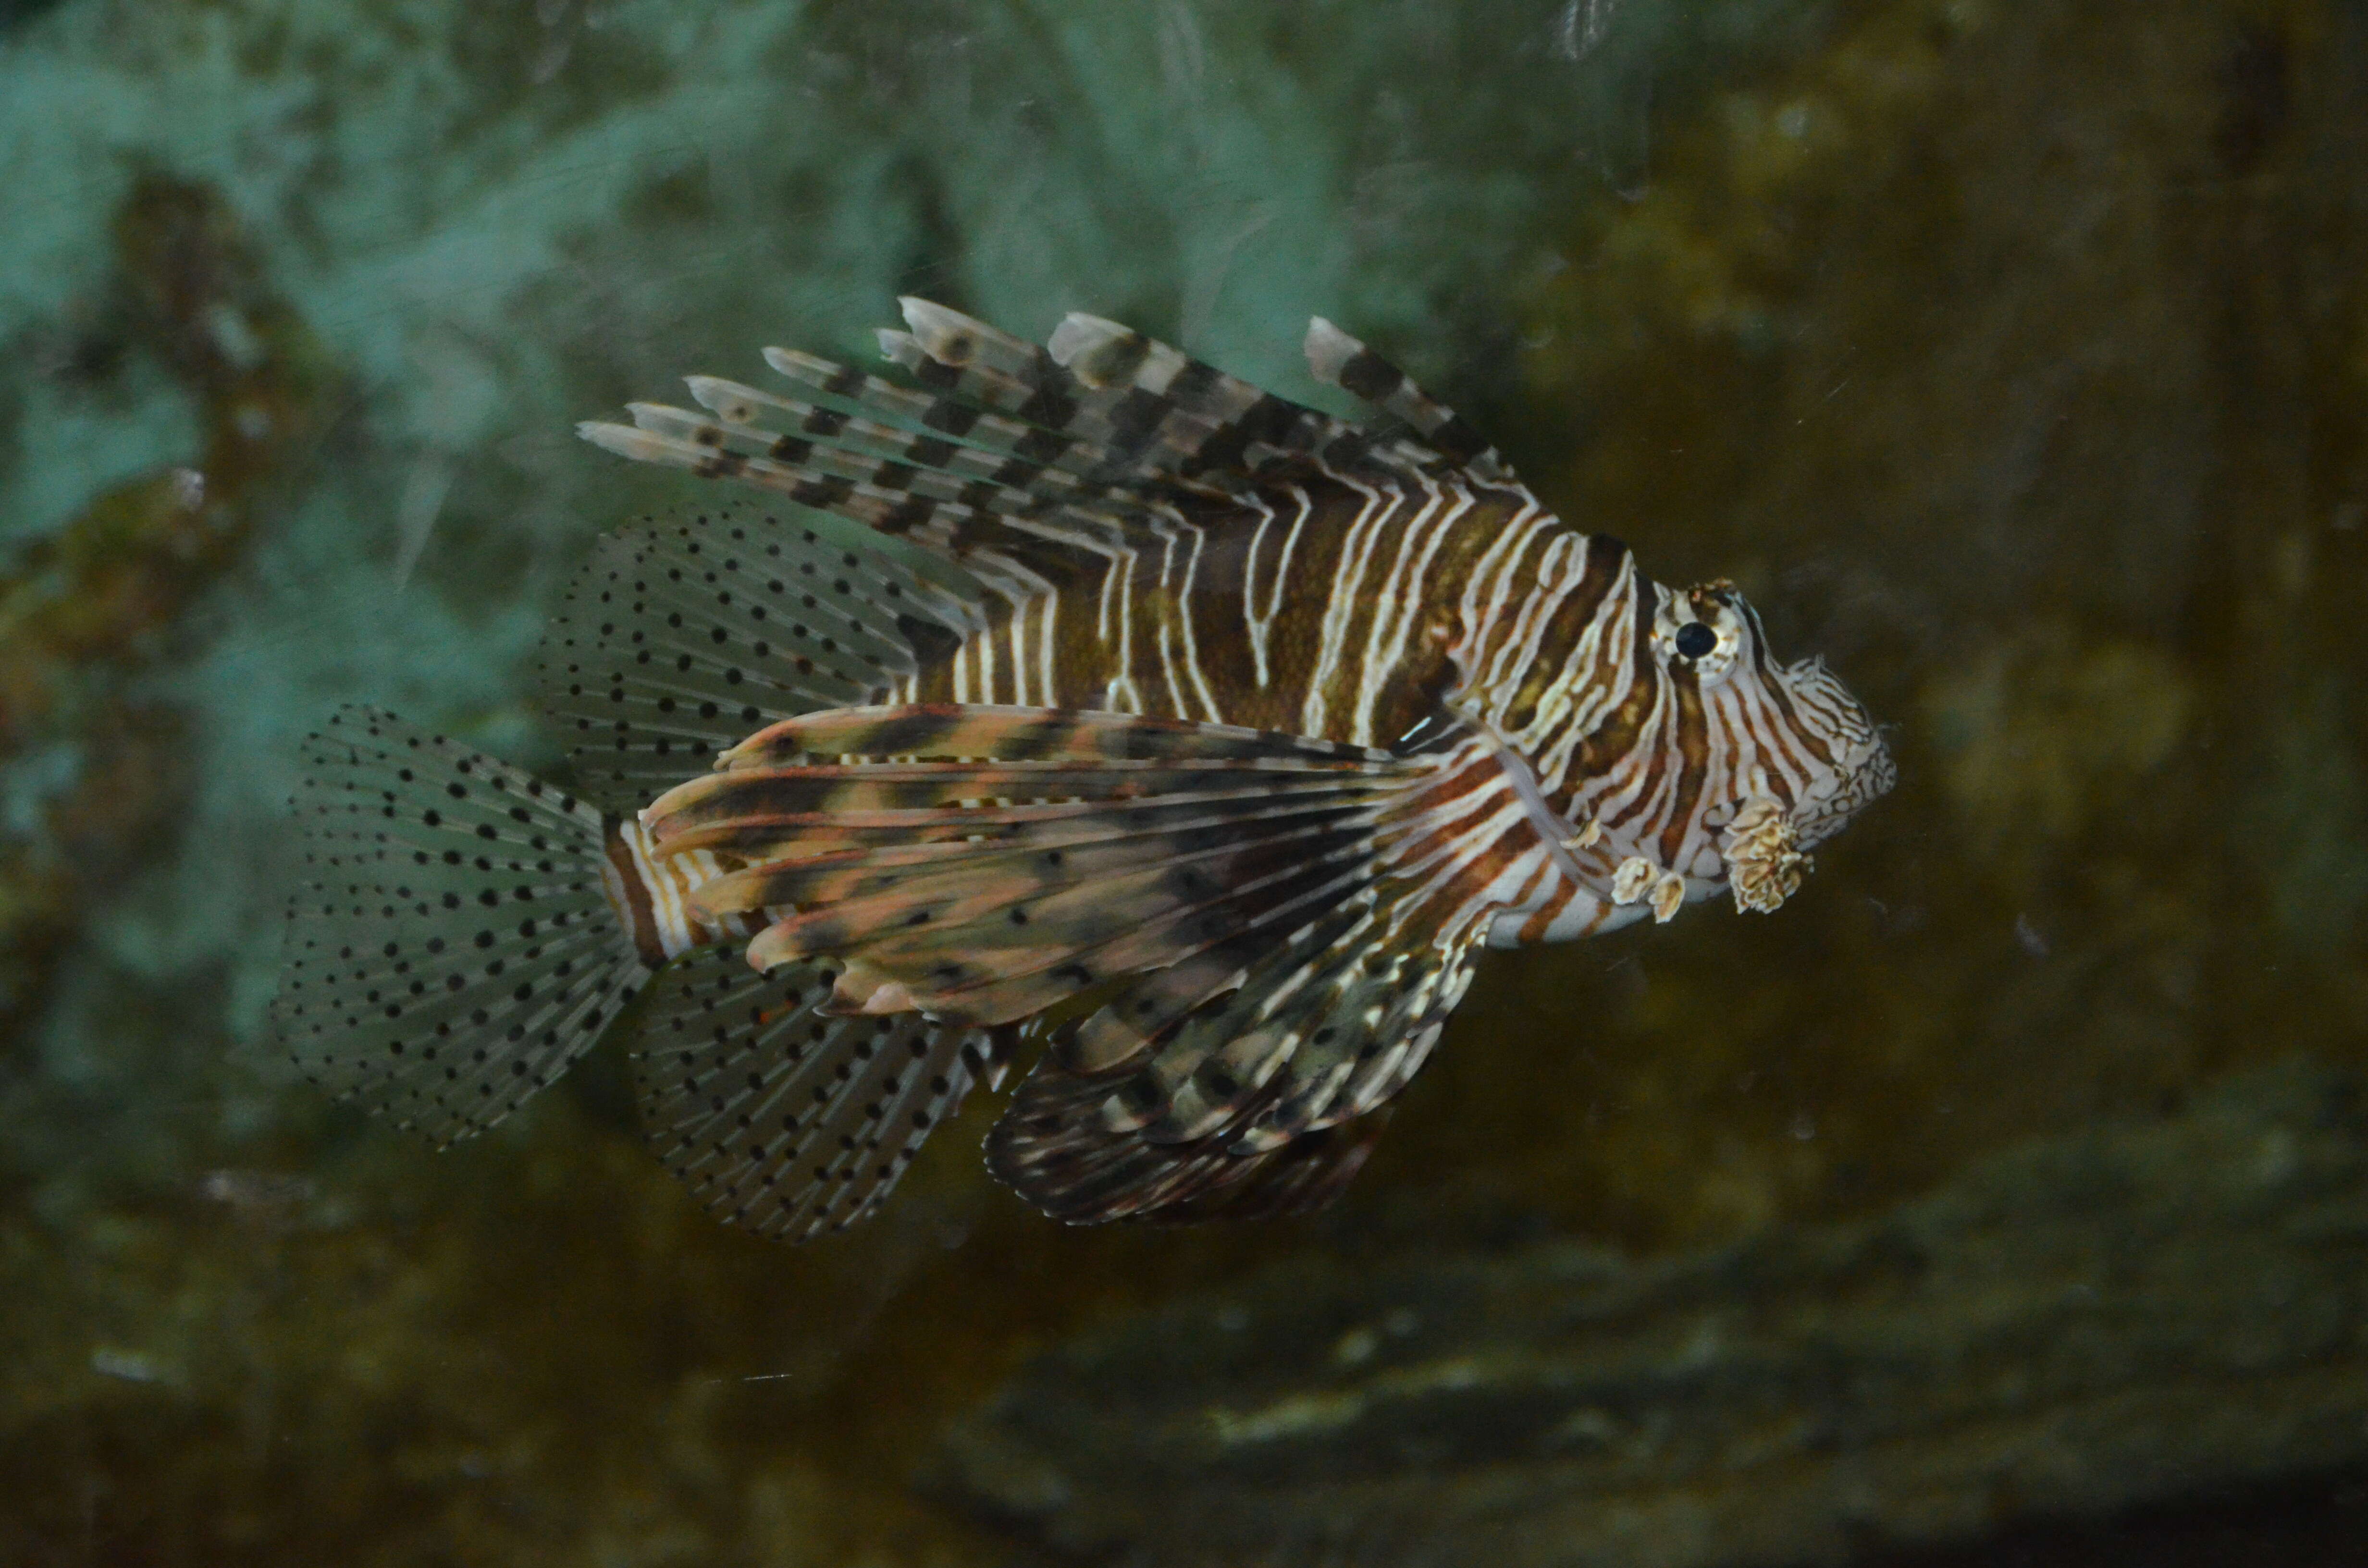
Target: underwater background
{"x": 2002, "y": 1201}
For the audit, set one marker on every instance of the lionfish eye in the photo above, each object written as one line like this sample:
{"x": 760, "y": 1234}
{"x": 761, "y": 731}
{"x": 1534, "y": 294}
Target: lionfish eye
{"x": 1695, "y": 639}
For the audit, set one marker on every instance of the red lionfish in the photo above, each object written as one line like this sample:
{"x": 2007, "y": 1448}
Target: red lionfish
{"x": 1200, "y": 733}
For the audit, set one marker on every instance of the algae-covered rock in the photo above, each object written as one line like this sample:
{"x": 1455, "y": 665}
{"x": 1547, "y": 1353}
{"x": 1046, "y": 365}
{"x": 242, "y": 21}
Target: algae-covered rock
{"x": 2069, "y": 1327}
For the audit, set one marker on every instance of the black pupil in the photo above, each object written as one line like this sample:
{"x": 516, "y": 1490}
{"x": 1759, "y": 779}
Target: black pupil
{"x": 1695, "y": 639}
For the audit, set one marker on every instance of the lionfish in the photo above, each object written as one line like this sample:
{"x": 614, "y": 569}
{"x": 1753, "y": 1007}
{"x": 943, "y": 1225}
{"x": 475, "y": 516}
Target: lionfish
{"x": 1078, "y": 697}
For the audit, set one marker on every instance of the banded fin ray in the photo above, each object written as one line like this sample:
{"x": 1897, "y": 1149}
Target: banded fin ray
{"x": 451, "y": 948}
{"x": 880, "y": 459}
{"x": 678, "y": 640}
{"x": 970, "y": 931}
{"x": 1011, "y": 734}
{"x": 1186, "y": 1085}
{"x": 1000, "y": 941}
{"x": 1156, "y": 1098}
{"x": 1341, "y": 361}
{"x": 1153, "y": 411}
{"x": 1016, "y": 542}
{"x": 783, "y": 1118}
{"x": 996, "y": 454}
{"x": 1150, "y": 411}
{"x": 983, "y": 394}
{"x": 944, "y": 426}
{"x": 977, "y": 364}
{"x": 1053, "y": 1148}
{"x": 1010, "y": 542}
{"x": 1008, "y": 453}
{"x": 1254, "y": 921}
{"x": 842, "y": 820}
{"x": 1305, "y": 1176}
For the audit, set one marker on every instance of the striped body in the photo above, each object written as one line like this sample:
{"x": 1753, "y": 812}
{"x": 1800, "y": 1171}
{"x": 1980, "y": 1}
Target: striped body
{"x": 1368, "y": 608}
{"x": 1195, "y": 732}
{"x": 654, "y": 895}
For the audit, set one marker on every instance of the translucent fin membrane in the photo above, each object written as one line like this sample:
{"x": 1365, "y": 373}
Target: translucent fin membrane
{"x": 1112, "y": 865}
{"x": 1050, "y": 1149}
{"x": 677, "y": 639}
{"x": 1242, "y": 1067}
{"x": 451, "y": 949}
{"x": 781, "y": 1117}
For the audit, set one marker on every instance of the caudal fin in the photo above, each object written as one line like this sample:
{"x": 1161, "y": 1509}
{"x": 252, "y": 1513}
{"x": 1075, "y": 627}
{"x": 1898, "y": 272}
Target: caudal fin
{"x": 451, "y": 949}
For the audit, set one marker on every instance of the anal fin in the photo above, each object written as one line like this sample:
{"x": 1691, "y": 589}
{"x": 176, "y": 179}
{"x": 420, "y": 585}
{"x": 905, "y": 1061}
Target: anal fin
{"x": 781, "y": 1118}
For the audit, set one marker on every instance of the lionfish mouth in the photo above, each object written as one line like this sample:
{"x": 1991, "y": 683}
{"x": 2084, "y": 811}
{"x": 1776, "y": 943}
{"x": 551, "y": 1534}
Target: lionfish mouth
{"x": 1866, "y": 775}
{"x": 1766, "y": 846}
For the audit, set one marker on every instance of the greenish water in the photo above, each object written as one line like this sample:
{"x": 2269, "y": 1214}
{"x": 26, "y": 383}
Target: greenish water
{"x": 2013, "y": 359}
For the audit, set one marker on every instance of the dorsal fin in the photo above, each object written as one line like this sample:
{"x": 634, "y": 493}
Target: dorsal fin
{"x": 680, "y": 638}
{"x": 1238, "y": 426}
{"x": 1006, "y": 449}
{"x": 1336, "y": 358}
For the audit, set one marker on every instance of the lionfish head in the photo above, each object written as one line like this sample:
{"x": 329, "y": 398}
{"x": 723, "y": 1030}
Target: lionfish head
{"x": 1792, "y": 755}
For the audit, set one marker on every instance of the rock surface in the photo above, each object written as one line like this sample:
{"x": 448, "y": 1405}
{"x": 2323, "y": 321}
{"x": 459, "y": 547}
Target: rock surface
{"x": 2069, "y": 1327}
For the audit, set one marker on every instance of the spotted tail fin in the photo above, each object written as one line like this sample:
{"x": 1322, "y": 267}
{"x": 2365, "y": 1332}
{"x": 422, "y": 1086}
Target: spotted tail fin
{"x": 452, "y": 948}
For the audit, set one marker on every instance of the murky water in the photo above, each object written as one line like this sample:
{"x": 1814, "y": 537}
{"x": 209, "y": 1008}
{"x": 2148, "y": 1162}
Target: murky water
{"x": 2015, "y": 362}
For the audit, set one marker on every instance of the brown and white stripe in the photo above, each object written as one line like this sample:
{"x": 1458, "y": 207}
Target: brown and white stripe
{"x": 1398, "y": 706}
